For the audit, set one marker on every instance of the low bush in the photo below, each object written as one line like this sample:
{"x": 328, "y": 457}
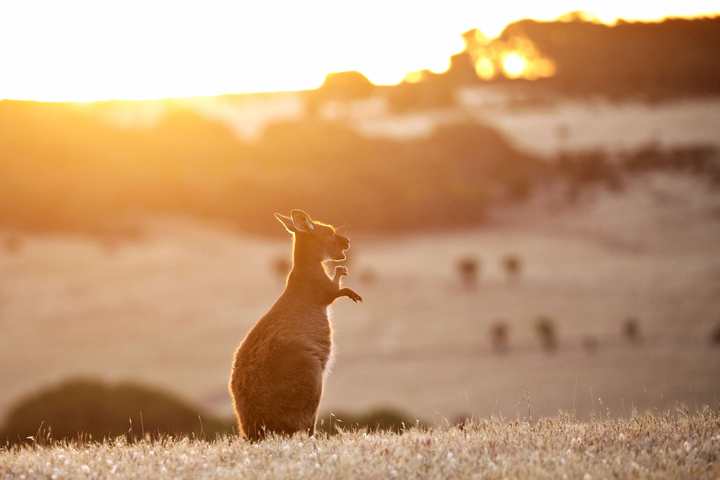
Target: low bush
{"x": 468, "y": 269}
{"x": 379, "y": 419}
{"x": 545, "y": 328}
{"x": 86, "y": 409}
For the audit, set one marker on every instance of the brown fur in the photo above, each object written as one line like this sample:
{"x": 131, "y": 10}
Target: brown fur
{"x": 277, "y": 374}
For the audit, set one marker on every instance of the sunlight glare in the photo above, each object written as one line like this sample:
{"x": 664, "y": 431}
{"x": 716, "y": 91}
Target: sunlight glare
{"x": 86, "y": 50}
{"x": 514, "y": 64}
{"x": 485, "y": 68}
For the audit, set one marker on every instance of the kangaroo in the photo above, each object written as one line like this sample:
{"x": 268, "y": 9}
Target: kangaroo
{"x": 278, "y": 370}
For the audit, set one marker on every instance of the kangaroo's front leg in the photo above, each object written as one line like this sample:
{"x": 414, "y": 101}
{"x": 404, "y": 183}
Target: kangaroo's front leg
{"x": 341, "y": 271}
{"x": 350, "y": 293}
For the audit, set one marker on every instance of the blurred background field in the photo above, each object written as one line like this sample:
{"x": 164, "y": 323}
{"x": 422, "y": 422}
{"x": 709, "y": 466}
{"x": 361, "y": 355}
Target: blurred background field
{"x": 527, "y": 242}
{"x": 169, "y": 309}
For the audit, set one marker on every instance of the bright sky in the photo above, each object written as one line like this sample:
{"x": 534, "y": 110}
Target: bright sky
{"x": 103, "y": 49}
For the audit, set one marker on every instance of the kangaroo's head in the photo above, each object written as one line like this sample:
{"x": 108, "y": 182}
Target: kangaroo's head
{"x": 314, "y": 241}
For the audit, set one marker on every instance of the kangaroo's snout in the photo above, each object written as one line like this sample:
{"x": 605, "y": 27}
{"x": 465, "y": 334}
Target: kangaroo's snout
{"x": 344, "y": 242}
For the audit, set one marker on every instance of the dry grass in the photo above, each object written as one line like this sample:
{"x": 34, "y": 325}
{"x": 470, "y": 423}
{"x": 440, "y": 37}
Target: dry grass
{"x": 671, "y": 445}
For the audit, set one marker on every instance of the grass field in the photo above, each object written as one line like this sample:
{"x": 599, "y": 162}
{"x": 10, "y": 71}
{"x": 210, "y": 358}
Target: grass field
{"x": 672, "y": 446}
{"x": 171, "y": 309}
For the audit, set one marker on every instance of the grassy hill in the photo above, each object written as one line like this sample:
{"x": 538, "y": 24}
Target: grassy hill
{"x": 671, "y": 445}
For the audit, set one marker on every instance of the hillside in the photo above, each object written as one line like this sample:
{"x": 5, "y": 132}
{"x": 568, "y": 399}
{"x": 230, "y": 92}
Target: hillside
{"x": 677, "y": 445}
{"x": 170, "y": 309}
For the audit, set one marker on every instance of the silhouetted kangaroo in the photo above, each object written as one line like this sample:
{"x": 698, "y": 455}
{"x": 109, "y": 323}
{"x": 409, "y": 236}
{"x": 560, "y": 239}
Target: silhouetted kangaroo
{"x": 277, "y": 374}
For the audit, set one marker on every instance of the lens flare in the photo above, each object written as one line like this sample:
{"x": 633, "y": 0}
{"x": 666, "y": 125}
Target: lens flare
{"x": 514, "y": 58}
{"x": 514, "y": 64}
{"x": 485, "y": 68}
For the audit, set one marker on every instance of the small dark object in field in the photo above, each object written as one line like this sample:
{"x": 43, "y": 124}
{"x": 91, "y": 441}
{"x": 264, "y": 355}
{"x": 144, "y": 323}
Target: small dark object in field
{"x": 590, "y": 344}
{"x": 631, "y": 330}
{"x": 512, "y": 265}
{"x": 368, "y": 276}
{"x": 499, "y": 336}
{"x": 545, "y": 328}
{"x": 281, "y": 267}
{"x": 468, "y": 268}
{"x": 715, "y": 336}
{"x": 13, "y": 244}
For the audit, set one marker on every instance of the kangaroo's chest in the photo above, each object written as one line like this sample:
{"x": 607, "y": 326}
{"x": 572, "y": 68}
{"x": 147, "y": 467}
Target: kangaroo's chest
{"x": 318, "y": 332}
{"x": 310, "y": 330}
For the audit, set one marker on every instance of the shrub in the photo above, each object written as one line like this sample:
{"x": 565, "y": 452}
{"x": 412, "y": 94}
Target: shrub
{"x": 13, "y": 244}
{"x": 499, "y": 336}
{"x": 426, "y": 95}
{"x": 468, "y": 268}
{"x": 512, "y": 266}
{"x": 715, "y": 336}
{"x": 545, "y": 328}
{"x": 86, "y": 409}
{"x": 631, "y": 330}
{"x": 379, "y": 419}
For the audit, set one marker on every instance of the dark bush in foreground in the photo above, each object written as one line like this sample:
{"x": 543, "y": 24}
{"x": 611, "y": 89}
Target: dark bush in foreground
{"x": 380, "y": 419}
{"x": 85, "y": 409}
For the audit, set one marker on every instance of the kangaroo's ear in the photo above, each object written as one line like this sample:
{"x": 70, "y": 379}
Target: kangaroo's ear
{"x": 287, "y": 222}
{"x": 302, "y": 221}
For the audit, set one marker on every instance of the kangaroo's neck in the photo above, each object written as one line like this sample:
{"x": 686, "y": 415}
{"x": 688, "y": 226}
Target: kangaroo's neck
{"x": 308, "y": 278}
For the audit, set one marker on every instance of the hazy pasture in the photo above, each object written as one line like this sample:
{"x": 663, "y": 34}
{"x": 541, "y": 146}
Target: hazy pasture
{"x": 171, "y": 308}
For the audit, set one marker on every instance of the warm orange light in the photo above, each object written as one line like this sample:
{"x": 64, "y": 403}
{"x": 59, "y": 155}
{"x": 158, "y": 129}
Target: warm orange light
{"x": 414, "y": 77}
{"x": 512, "y": 58}
{"x": 485, "y": 68}
{"x": 135, "y": 49}
{"x": 514, "y": 64}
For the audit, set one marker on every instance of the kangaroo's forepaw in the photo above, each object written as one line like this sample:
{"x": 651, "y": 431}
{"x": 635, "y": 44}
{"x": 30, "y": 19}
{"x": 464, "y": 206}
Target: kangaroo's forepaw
{"x": 353, "y": 295}
{"x": 341, "y": 270}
